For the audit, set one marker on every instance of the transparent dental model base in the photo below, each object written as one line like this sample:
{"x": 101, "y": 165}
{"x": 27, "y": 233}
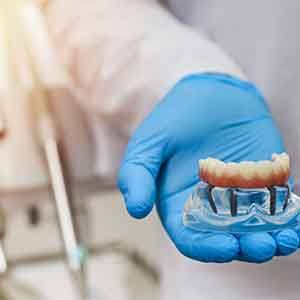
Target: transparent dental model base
{"x": 238, "y": 210}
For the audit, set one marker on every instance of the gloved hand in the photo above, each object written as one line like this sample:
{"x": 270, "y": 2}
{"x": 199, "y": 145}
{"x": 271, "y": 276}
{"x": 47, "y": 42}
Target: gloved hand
{"x": 203, "y": 115}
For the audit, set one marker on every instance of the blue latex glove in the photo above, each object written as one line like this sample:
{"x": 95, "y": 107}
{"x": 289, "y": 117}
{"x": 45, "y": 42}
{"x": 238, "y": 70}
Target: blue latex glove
{"x": 203, "y": 115}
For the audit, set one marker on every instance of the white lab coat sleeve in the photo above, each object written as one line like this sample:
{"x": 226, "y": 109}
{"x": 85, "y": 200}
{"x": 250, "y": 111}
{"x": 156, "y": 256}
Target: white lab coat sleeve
{"x": 124, "y": 55}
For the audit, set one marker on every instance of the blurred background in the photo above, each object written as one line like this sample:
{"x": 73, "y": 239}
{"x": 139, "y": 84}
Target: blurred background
{"x": 122, "y": 263}
{"x": 64, "y": 231}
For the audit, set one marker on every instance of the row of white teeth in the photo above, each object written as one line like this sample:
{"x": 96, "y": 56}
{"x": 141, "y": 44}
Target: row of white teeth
{"x": 279, "y": 164}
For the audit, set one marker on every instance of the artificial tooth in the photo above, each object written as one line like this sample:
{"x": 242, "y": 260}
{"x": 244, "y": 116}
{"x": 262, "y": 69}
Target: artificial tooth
{"x": 264, "y": 169}
{"x": 248, "y": 170}
{"x": 232, "y": 169}
{"x": 221, "y": 169}
{"x": 285, "y": 162}
{"x": 211, "y": 164}
{"x": 202, "y": 164}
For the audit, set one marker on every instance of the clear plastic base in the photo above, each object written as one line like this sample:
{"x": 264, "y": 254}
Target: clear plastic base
{"x": 238, "y": 210}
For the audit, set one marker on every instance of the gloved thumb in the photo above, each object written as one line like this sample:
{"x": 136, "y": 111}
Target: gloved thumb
{"x": 138, "y": 173}
{"x": 138, "y": 188}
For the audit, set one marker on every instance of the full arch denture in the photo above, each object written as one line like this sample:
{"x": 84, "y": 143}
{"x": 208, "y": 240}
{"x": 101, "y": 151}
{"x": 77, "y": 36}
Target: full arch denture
{"x": 246, "y": 174}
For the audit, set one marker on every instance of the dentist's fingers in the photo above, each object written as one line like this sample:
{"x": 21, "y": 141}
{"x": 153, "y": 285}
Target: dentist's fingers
{"x": 287, "y": 241}
{"x": 257, "y": 247}
{"x": 140, "y": 168}
{"x": 138, "y": 188}
{"x": 207, "y": 247}
{"x": 200, "y": 246}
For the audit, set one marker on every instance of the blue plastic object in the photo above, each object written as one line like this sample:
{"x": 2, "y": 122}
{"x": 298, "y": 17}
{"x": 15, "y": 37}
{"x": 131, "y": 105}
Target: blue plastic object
{"x": 236, "y": 210}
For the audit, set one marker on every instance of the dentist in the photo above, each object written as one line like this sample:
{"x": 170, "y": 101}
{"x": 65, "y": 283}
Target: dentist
{"x": 183, "y": 85}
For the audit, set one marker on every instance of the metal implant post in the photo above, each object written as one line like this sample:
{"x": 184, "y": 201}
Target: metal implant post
{"x": 211, "y": 200}
{"x": 233, "y": 203}
{"x": 272, "y": 191}
{"x": 286, "y": 201}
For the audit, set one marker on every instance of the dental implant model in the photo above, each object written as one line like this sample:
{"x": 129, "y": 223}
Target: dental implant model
{"x": 243, "y": 197}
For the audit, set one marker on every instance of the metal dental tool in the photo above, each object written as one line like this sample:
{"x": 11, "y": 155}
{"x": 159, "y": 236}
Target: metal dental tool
{"x": 50, "y": 142}
{"x": 51, "y": 145}
{"x": 24, "y": 66}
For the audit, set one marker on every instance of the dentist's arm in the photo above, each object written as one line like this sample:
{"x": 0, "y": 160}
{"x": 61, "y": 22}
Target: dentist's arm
{"x": 124, "y": 55}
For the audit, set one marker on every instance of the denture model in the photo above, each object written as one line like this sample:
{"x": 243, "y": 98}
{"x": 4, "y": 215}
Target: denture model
{"x": 246, "y": 174}
{"x": 243, "y": 197}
